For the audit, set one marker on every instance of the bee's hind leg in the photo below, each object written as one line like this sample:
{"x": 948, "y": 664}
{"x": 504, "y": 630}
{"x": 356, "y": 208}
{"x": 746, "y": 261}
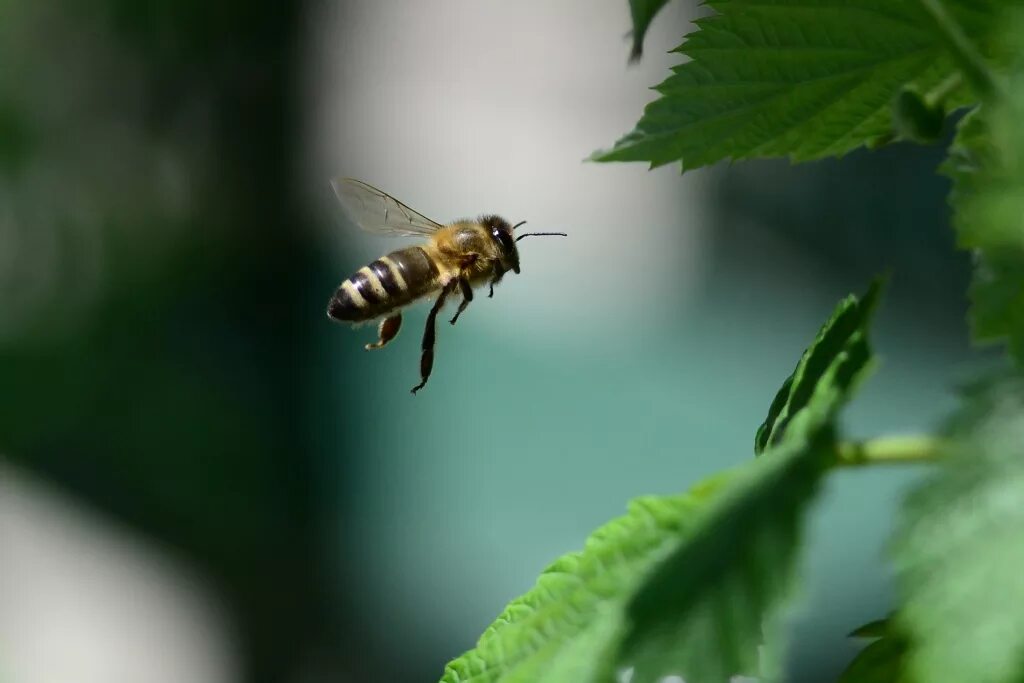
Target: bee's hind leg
{"x": 427, "y": 359}
{"x": 467, "y": 296}
{"x": 386, "y": 331}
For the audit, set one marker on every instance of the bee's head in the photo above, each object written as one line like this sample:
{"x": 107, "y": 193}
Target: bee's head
{"x": 503, "y": 235}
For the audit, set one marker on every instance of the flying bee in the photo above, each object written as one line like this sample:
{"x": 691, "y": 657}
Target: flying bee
{"x": 455, "y": 258}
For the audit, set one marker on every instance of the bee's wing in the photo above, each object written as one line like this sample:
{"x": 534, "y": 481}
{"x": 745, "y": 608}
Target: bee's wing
{"x": 374, "y": 210}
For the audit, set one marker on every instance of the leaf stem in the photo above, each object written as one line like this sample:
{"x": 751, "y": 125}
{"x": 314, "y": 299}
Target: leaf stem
{"x": 888, "y": 449}
{"x": 971, "y": 64}
{"x": 937, "y": 96}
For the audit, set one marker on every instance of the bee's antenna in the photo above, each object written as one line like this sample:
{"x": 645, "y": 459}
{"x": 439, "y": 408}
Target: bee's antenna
{"x": 539, "y": 234}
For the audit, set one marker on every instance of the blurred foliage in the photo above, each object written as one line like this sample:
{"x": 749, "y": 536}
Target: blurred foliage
{"x": 919, "y": 118}
{"x": 642, "y": 13}
{"x": 883, "y": 660}
{"x": 151, "y": 326}
{"x": 856, "y": 217}
{"x": 959, "y": 544}
{"x": 959, "y": 548}
{"x": 986, "y": 164}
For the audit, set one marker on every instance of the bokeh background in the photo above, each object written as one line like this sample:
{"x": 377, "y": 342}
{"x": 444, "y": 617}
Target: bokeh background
{"x": 203, "y": 479}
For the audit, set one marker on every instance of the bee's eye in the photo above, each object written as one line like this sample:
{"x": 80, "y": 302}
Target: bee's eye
{"x": 504, "y": 239}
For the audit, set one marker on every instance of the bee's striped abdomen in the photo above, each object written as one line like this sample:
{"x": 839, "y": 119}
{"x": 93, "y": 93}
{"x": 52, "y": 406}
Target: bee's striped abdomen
{"x": 388, "y": 283}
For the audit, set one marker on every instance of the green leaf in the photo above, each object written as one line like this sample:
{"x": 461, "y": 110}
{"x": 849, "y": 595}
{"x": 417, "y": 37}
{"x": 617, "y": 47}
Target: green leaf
{"x": 917, "y": 119}
{"x": 770, "y": 78}
{"x": 693, "y": 583}
{"x": 882, "y": 661}
{"x": 872, "y": 629}
{"x": 997, "y": 296}
{"x": 566, "y": 626}
{"x": 710, "y": 607}
{"x": 959, "y": 547}
{"x": 643, "y": 12}
{"x": 986, "y": 164}
{"x": 842, "y": 341}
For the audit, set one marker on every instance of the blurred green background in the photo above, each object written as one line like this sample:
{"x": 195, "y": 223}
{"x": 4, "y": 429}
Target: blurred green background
{"x": 168, "y": 373}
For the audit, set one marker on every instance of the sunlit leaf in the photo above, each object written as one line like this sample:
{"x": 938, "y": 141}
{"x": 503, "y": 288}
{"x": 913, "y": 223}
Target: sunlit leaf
{"x": 712, "y": 609}
{"x": 565, "y": 628}
{"x": 691, "y": 584}
{"x": 709, "y": 566}
{"x": 793, "y": 78}
{"x": 714, "y": 603}
{"x": 841, "y": 340}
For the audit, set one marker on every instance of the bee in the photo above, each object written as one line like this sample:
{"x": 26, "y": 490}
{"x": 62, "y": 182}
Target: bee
{"x": 455, "y": 258}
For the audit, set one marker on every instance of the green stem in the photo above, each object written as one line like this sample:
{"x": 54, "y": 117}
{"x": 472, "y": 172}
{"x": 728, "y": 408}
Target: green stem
{"x": 937, "y": 96}
{"x": 888, "y": 449}
{"x": 971, "y": 64}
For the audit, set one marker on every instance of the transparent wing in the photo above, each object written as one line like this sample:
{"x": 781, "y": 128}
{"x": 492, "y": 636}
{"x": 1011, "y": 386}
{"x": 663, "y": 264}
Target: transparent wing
{"x": 376, "y": 211}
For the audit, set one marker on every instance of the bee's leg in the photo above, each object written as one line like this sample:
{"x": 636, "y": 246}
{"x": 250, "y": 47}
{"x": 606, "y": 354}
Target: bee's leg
{"x": 386, "y": 331}
{"x": 495, "y": 280}
{"x": 427, "y": 359}
{"x": 467, "y": 296}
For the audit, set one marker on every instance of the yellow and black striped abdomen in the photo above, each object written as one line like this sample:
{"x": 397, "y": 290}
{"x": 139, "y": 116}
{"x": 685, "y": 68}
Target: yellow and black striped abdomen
{"x": 388, "y": 283}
